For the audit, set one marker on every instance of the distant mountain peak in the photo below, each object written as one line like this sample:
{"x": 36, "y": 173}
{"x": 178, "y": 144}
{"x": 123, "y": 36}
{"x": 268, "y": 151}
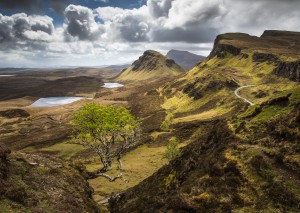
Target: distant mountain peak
{"x": 151, "y": 64}
{"x": 184, "y": 58}
{"x": 152, "y": 60}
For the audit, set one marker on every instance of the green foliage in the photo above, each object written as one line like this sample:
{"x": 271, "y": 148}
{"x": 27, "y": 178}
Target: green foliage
{"x": 106, "y": 130}
{"x": 167, "y": 122}
{"x": 171, "y": 179}
{"x": 172, "y": 152}
{"x": 94, "y": 121}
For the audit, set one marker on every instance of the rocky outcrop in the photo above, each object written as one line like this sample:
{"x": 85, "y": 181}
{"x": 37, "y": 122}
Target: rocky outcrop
{"x": 264, "y": 57}
{"x": 147, "y": 61}
{"x": 14, "y": 113}
{"x": 4, "y": 152}
{"x": 220, "y": 50}
{"x": 151, "y": 60}
{"x": 290, "y": 70}
{"x": 170, "y": 62}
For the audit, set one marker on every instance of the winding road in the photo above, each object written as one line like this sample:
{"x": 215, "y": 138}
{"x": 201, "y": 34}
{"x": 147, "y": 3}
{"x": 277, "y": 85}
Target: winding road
{"x": 236, "y": 92}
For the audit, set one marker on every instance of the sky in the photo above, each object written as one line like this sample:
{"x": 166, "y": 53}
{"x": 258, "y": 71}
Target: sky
{"x": 56, "y": 33}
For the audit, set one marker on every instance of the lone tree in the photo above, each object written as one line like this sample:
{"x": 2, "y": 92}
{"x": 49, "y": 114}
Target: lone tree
{"x": 108, "y": 131}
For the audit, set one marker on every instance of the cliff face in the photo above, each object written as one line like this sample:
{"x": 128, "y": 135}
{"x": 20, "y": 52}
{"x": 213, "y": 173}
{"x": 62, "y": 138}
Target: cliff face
{"x": 273, "y": 47}
{"x": 290, "y": 70}
{"x": 220, "y": 50}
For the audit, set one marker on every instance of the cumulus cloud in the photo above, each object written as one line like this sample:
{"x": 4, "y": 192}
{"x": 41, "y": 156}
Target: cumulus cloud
{"x": 21, "y": 27}
{"x": 109, "y": 14}
{"x": 109, "y": 33}
{"x": 80, "y": 23}
{"x": 124, "y": 24}
{"x": 164, "y": 20}
{"x": 159, "y": 8}
{"x": 194, "y": 13}
{"x": 258, "y": 15}
{"x": 185, "y": 21}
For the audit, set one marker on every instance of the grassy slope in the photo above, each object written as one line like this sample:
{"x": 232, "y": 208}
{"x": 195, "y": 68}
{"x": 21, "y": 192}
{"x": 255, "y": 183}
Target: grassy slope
{"x": 257, "y": 167}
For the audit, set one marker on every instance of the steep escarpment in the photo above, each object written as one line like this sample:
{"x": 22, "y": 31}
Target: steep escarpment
{"x": 290, "y": 70}
{"x": 280, "y": 48}
{"x": 151, "y": 65}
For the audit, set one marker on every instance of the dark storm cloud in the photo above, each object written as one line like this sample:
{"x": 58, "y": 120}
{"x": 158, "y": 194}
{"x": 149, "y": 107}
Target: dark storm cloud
{"x": 27, "y": 5}
{"x": 36, "y": 6}
{"x": 191, "y": 35}
{"x": 21, "y": 27}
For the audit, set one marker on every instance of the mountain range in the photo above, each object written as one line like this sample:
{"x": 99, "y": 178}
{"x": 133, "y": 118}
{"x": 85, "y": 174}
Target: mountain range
{"x": 185, "y": 59}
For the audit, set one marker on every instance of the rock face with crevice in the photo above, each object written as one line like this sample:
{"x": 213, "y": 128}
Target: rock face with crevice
{"x": 290, "y": 70}
{"x": 264, "y": 57}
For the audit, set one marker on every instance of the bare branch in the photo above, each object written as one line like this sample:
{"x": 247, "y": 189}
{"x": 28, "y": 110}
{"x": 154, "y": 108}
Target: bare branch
{"x": 111, "y": 179}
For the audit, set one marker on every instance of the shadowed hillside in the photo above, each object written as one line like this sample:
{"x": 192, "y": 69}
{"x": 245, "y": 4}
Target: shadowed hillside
{"x": 41, "y": 183}
{"x": 185, "y": 59}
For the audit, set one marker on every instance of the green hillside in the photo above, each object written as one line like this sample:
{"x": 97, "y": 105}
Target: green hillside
{"x": 241, "y": 158}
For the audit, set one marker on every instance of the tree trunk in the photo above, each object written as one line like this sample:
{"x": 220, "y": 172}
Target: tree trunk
{"x": 106, "y": 167}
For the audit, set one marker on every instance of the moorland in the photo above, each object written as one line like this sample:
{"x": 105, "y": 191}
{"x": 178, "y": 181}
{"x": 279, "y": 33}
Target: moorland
{"x": 236, "y": 156}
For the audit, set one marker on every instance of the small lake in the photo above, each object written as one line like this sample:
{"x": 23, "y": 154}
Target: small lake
{"x": 112, "y": 85}
{"x": 7, "y": 75}
{"x": 55, "y": 101}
